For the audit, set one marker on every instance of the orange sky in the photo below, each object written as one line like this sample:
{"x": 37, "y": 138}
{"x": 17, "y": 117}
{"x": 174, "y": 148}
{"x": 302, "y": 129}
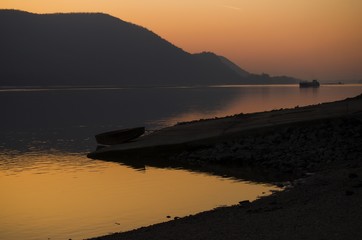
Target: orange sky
{"x": 303, "y": 38}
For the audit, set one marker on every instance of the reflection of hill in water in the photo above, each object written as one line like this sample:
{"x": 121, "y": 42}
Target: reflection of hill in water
{"x": 68, "y": 119}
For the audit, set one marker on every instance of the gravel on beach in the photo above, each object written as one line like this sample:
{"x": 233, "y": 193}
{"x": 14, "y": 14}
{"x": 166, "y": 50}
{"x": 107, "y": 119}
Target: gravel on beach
{"x": 322, "y": 199}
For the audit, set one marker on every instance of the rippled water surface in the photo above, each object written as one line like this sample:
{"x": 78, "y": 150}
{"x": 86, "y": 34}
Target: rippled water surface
{"x": 67, "y": 196}
{"x": 50, "y": 190}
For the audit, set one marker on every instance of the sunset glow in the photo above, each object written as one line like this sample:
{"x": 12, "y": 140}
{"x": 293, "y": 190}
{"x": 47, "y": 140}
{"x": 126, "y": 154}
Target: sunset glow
{"x": 61, "y": 200}
{"x": 306, "y": 39}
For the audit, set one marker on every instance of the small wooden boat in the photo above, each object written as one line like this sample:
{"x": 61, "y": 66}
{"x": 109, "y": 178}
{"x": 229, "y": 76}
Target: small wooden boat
{"x": 119, "y": 136}
{"x": 307, "y": 84}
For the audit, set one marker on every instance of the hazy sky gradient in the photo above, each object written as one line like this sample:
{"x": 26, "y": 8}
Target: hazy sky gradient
{"x": 303, "y": 38}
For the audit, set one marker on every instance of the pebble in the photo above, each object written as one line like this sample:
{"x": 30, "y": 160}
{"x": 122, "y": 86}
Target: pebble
{"x": 352, "y": 175}
{"x": 245, "y": 203}
{"x": 349, "y": 193}
{"x": 358, "y": 185}
{"x": 297, "y": 149}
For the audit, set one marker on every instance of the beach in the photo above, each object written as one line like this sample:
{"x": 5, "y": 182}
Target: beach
{"x": 314, "y": 153}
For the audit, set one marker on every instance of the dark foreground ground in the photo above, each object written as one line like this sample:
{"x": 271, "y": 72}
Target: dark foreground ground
{"x": 324, "y": 206}
{"x": 323, "y": 188}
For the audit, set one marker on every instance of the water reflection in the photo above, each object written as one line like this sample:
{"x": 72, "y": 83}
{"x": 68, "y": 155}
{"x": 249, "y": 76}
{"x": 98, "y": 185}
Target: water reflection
{"x": 68, "y": 119}
{"x": 255, "y": 98}
{"x": 13, "y": 162}
{"x": 51, "y": 190}
{"x": 63, "y": 196}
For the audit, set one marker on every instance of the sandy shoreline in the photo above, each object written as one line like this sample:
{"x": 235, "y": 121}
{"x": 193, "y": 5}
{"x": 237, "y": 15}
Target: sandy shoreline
{"x": 198, "y": 133}
{"x": 321, "y": 160}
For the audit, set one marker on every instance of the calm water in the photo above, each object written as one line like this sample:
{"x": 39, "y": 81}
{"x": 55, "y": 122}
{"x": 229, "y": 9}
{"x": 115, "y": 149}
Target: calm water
{"x": 63, "y": 196}
{"x": 49, "y": 189}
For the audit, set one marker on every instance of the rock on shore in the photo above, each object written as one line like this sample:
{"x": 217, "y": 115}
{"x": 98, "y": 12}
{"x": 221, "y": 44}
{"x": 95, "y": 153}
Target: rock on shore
{"x": 294, "y": 150}
{"x": 323, "y": 200}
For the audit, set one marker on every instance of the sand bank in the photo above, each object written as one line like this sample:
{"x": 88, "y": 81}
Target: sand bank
{"x": 192, "y": 135}
{"x": 316, "y": 151}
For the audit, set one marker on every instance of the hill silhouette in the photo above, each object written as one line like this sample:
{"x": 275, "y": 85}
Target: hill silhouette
{"x": 98, "y": 49}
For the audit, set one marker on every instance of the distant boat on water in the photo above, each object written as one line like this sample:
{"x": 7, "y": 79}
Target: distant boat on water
{"x": 119, "y": 136}
{"x": 306, "y": 84}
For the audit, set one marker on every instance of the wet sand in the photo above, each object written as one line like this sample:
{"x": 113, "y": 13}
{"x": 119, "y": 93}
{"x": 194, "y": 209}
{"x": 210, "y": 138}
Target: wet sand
{"x": 322, "y": 158}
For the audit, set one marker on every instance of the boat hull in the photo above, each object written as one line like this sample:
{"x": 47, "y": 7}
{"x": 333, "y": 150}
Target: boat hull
{"x": 119, "y": 136}
{"x": 313, "y": 84}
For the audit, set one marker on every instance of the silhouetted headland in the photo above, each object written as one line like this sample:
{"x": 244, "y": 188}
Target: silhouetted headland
{"x": 198, "y": 134}
{"x": 96, "y": 49}
{"x": 320, "y": 146}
